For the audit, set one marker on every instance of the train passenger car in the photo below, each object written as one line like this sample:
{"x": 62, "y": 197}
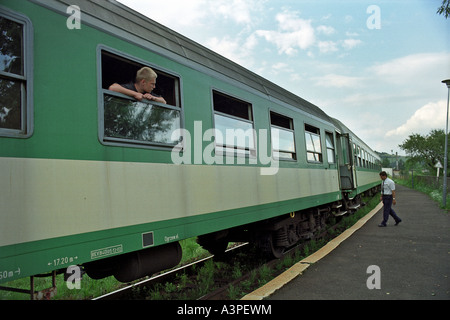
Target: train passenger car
{"x": 92, "y": 177}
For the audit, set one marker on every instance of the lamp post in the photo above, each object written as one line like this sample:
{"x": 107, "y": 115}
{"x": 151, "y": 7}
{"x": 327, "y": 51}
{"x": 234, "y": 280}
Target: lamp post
{"x": 444, "y": 192}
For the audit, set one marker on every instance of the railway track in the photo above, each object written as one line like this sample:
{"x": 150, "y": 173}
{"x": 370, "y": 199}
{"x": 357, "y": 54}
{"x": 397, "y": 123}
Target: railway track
{"x": 127, "y": 292}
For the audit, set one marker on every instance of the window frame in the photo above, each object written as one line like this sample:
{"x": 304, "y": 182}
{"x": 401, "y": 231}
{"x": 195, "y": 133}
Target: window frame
{"x": 358, "y": 152}
{"x": 290, "y": 130}
{"x": 333, "y": 149}
{"x": 309, "y": 133}
{"x": 131, "y": 143}
{"x": 26, "y": 80}
{"x": 228, "y": 150}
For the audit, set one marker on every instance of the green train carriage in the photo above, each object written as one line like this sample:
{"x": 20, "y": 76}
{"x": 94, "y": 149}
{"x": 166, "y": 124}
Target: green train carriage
{"x": 90, "y": 177}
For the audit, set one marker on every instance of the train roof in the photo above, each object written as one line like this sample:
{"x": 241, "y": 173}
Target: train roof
{"x": 111, "y": 13}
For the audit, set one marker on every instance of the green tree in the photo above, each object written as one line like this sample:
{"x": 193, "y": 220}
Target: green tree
{"x": 386, "y": 163}
{"x": 444, "y": 8}
{"x": 426, "y": 149}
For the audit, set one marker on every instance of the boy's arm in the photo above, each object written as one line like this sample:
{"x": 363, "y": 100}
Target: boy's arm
{"x": 134, "y": 94}
{"x": 148, "y": 96}
{"x": 118, "y": 88}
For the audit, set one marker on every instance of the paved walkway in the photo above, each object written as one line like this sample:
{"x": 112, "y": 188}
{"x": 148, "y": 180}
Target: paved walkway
{"x": 413, "y": 258}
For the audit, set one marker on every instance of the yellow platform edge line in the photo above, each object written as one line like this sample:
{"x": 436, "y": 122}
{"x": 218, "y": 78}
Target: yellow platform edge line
{"x": 297, "y": 269}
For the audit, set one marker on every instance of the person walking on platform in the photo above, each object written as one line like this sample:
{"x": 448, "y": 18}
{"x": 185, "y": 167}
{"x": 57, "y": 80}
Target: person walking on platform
{"x": 388, "y": 198}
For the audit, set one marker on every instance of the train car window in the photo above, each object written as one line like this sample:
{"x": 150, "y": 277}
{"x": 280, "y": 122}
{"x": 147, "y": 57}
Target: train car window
{"x": 358, "y": 152}
{"x": 139, "y": 123}
{"x": 365, "y": 159}
{"x": 15, "y": 76}
{"x": 330, "y": 147}
{"x": 117, "y": 69}
{"x": 233, "y": 120}
{"x": 313, "y": 144}
{"x": 361, "y": 155}
{"x": 283, "y": 128}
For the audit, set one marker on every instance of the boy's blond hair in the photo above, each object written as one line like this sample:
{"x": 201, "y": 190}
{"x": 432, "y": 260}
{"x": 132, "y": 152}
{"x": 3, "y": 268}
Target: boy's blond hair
{"x": 146, "y": 73}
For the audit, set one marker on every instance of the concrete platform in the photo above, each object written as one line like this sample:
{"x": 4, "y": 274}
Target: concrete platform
{"x": 408, "y": 261}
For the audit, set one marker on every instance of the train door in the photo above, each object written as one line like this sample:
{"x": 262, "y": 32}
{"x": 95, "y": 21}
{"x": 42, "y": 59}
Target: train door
{"x": 346, "y": 165}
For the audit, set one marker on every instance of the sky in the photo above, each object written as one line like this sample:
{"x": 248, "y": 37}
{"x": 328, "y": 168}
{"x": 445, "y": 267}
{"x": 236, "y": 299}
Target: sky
{"x": 375, "y": 65}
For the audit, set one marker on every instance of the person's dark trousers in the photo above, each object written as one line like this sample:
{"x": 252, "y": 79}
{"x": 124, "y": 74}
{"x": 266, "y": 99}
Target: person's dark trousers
{"x": 387, "y": 202}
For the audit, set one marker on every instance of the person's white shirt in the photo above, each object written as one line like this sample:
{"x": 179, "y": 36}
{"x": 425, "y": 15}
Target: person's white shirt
{"x": 388, "y": 186}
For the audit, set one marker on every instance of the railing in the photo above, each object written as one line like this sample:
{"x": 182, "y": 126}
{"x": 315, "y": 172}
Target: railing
{"x": 429, "y": 181}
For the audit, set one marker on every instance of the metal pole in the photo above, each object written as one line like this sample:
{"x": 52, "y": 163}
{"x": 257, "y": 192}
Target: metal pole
{"x": 444, "y": 191}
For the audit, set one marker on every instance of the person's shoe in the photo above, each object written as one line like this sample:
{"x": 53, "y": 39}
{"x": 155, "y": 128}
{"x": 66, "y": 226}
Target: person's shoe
{"x": 382, "y": 225}
{"x": 397, "y": 222}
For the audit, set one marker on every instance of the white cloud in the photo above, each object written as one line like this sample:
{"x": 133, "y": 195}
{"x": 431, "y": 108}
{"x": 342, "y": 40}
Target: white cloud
{"x": 187, "y": 13}
{"x": 338, "y": 81}
{"x": 412, "y": 68}
{"x": 430, "y": 116}
{"x": 293, "y": 33}
{"x": 326, "y": 30}
{"x": 327, "y": 46}
{"x": 240, "y": 11}
{"x": 348, "y": 19}
{"x": 181, "y": 14}
{"x": 351, "y": 34}
{"x": 233, "y": 49}
{"x": 280, "y": 66}
{"x": 351, "y": 43}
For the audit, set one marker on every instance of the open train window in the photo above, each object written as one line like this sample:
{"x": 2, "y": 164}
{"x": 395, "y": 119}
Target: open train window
{"x": 117, "y": 69}
{"x": 126, "y": 121}
{"x": 283, "y": 128}
{"x": 313, "y": 144}
{"x": 233, "y": 119}
{"x": 16, "y": 105}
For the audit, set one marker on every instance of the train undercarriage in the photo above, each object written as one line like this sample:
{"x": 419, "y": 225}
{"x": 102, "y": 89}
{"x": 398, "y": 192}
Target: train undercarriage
{"x": 276, "y": 235}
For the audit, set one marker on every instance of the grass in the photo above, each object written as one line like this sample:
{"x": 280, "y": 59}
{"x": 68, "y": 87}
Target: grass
{"x": 422, "y": 186}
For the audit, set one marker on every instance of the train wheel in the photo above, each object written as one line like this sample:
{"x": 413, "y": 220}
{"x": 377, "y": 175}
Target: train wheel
{"x": 216, "y": 247}
{"x": 266, "y": 244}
